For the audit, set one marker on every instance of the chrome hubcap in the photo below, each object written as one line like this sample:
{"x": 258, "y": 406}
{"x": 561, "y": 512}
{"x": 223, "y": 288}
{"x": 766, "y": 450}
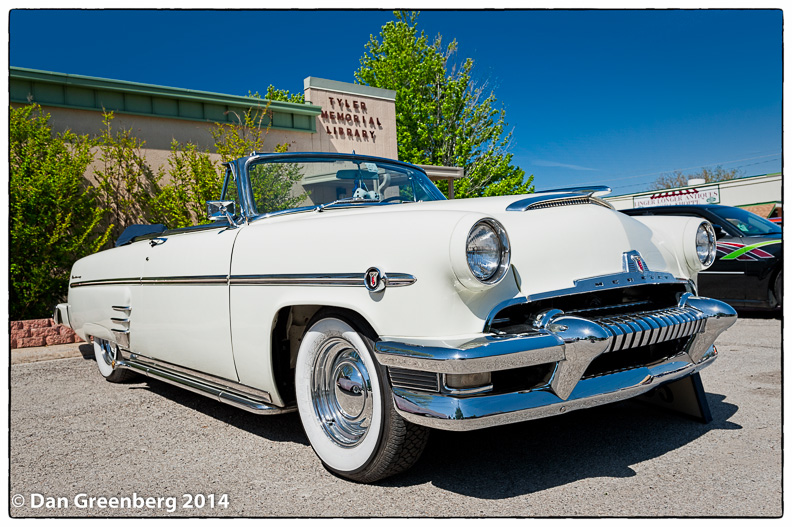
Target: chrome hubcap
{"x": 108, "y": 352}
{"x": 341, "y": 392}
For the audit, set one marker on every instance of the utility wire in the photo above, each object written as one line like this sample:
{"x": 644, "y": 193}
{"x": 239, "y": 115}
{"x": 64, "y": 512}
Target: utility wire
{"x": 688, "y": 168}
{"x": 741, "y": 166}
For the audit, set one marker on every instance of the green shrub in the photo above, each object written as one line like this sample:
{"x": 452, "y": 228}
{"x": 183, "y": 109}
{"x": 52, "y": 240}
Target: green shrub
{"x": 125, "y": 182}
{"x": 53, "y": 216}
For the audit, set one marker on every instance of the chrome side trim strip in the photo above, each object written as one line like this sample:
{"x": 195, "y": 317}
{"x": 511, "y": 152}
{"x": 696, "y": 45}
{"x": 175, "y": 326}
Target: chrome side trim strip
{"x": 185, "y": 280}
{"x": 222, "y": 390}
{"x": 399, "y": 279}
{"x": 107, "y": 281}
{"x": 160, "y": 280}
{"x": 328, "y": 279}
{"x": 337, "y": 279}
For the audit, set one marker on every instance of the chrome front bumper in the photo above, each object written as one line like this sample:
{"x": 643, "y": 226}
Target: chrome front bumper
{"x": 570, "y": 343}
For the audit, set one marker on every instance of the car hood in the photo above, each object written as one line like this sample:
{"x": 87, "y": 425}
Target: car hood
{"x": 550, "y": 247}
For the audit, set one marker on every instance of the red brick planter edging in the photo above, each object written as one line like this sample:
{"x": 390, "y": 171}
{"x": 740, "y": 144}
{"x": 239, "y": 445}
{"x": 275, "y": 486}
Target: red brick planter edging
{"x": 41, "y": 332}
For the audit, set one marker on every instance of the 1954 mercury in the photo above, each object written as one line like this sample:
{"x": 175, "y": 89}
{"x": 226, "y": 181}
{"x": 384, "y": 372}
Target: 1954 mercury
{"x": 379, "y": 310}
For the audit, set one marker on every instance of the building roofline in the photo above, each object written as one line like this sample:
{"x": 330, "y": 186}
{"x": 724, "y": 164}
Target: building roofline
{"x": 349, "y": 88}
{"x": 153, "y": 89}
{"x": 725, "y": 181}
{"x": 82, "y": 92}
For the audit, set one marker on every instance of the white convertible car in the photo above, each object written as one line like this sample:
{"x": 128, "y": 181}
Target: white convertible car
{"x": 380, "y": 310}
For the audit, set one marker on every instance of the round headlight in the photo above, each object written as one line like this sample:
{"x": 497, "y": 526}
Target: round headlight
{"x": 706, "y": 245}
{"x": 488, "y": 252}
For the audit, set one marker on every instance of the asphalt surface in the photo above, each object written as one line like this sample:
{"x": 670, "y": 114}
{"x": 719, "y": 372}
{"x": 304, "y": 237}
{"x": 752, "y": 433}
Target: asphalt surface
{"x": 75, "y": 437}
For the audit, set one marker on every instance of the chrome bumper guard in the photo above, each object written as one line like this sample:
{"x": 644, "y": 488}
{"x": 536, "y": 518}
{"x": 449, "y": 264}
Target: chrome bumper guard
{"x": 570, "y": 342}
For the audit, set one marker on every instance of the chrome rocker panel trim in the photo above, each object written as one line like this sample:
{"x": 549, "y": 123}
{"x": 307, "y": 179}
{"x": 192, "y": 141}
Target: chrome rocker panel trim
{"x": 222, "y": 390}
{"x": 572, "y": 343}
{"x": 472, "y": 413}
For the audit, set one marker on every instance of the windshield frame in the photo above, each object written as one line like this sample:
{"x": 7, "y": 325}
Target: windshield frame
{"x": 248, "y": 207}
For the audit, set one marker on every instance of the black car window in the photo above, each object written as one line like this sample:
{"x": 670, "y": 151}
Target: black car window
{"x": 748, "y": 223}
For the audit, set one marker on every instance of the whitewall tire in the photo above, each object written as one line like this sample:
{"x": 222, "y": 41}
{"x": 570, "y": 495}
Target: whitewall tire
{"x": 346, "y": 408}
{"x": 106, "y": 353}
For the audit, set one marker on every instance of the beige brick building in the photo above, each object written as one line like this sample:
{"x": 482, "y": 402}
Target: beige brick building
{"x": 337, "y": 116}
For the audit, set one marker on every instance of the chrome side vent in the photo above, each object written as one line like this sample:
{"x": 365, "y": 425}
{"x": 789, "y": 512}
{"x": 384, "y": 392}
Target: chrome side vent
{"x": 414, "y": 380}
{"x": 122, "y": 335}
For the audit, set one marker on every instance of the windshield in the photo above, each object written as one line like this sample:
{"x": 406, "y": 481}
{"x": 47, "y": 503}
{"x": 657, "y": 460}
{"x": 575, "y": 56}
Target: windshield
{"x": 748, "y": 223}
{"x": 288, "y": 183}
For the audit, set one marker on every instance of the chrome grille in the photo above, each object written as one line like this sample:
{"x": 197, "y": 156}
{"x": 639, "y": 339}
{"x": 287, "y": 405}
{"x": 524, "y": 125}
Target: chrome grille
{"x": 651, "y": 327}
{"x": 414, "y": 380}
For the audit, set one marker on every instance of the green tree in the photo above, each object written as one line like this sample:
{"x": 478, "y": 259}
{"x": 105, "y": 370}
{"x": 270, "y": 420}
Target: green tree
{"x": 192, "y": 178}
{"x": 53, "y": 217}
{"x": 709, "y": 175}
{"x": 443, "y": 116}
{"x": 274, "y": 94}
{"x": 125, "y": 181}
{"x": 235, "y": 140}
{"x": 271, "y": 184}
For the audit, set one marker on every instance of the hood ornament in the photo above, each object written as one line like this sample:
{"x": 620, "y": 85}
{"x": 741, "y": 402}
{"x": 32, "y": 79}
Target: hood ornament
{"x": 633, "y": 262}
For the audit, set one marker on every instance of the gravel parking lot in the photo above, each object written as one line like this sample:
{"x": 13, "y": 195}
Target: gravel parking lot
{"x": 157, "y": 449}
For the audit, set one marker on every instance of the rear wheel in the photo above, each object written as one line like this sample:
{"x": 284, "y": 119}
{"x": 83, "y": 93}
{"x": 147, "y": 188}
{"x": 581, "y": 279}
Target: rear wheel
{"x": 346, "y": 408}
{"x": 106, "y": 354}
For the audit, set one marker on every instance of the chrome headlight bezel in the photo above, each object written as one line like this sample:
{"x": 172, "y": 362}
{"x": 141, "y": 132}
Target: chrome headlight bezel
{"x": 694, "y": 233}
{"x": 706, "y": 244}
{"x": 501, "y": 267}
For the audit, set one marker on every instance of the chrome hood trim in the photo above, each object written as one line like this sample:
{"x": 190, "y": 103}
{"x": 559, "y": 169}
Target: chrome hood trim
{"x": 563, "y": 197}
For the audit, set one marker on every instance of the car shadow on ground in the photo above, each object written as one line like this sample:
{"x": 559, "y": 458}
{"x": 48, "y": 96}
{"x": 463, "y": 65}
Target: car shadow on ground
{"x": 766, "y": 314}
{"x": 285, "y": 427}
{"x": 538, "y": 455}
{"x": 86, "y": 350}
{"x": 279, "y": 427}
{"x": 512, "y": 460}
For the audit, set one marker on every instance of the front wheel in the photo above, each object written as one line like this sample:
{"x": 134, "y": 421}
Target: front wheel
{"x": 346, "y": 408}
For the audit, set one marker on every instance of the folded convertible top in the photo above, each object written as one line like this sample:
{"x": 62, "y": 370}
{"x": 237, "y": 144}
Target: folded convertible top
{"x": 133, "y": 231}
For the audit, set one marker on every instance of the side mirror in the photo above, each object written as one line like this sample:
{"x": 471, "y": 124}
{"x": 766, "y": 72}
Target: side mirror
{"x": 217, "y": 210}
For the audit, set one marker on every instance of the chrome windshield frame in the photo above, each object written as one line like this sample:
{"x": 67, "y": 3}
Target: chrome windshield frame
{"x": 247, "y": 199}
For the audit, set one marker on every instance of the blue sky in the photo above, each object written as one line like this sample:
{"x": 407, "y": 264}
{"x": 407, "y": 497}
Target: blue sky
{"x": 613, "y": 97}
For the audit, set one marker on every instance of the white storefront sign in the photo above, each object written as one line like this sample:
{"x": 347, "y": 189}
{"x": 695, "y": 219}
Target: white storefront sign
{"x": 688, "y": 196}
